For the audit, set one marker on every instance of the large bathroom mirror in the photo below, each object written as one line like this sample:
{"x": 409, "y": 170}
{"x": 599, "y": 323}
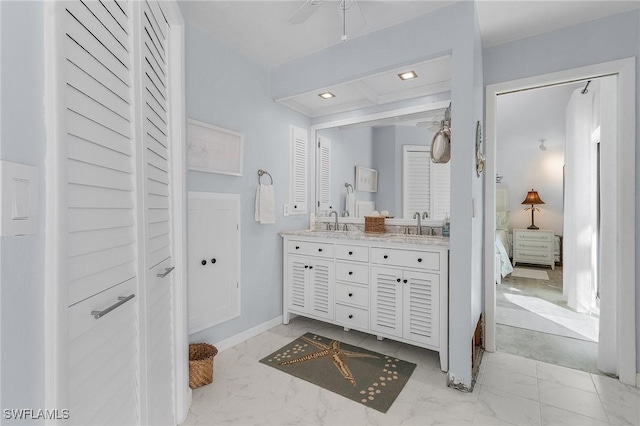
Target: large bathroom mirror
{"x": 383, "y": 164}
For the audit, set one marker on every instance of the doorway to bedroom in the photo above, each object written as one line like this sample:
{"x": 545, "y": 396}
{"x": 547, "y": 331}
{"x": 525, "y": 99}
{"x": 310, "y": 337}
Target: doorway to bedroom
{"x": 547, "y": 222}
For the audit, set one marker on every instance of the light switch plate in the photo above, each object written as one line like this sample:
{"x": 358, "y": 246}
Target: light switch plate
{"x": 18, "y": 199}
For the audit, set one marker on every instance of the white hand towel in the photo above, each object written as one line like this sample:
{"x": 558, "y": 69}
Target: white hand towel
{"x": 351, "y": 204}
{"x": 265, "y": 210}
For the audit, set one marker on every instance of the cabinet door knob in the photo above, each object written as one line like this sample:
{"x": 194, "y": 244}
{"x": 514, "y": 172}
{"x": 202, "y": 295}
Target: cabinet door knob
{"x": 385, "y": 256}
{"x": 204, "y": 262}
{"x": 306, "y": 266}
{"x": 350, "y": 316}
{"x": 350, "y": 294}
{"x": 310, "y": 267}
{"x": 404, "y": 281}
{"x": 295, "y": 206}
{"x": 398, "y": 280}
{"x": 419, "y": 259}
{"x": 213, "y": 260}
{"x": 350, "y": 253}
{"x": 297, "y": 247}
{"x": 319, "y": 249}
{"x": 350, "y": 272}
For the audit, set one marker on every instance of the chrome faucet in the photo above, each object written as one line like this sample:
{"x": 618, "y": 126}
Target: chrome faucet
{"x": 335, "y": 228}
{"x": 416, "y": 215}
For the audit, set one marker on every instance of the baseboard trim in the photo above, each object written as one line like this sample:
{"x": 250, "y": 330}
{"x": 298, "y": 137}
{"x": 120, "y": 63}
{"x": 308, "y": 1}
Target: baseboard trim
{"x": 247, "y": 334}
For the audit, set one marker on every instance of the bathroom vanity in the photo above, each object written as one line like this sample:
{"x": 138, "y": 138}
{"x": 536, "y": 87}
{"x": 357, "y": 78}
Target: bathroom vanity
{"x": 390, "y": 285}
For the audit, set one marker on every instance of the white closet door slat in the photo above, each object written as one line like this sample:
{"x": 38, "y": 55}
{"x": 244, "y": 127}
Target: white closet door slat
{"x": 84, "y": 196}
{"x": 86, "y": 151}
{"x": 93, "y": 219}
{"x": 95, "y": 175}
{"x": 86, "y": 106}
{"x": 92, "y": 131}
{"x": 89, "y": 285}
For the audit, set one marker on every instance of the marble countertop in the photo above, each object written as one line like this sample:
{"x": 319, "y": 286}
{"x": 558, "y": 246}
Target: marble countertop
{"x": 424, "y": 240}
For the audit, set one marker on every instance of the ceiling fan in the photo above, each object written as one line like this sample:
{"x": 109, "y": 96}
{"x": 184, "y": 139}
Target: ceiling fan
{"x": 347, "y": 9}
{"x": 438, "y": 122}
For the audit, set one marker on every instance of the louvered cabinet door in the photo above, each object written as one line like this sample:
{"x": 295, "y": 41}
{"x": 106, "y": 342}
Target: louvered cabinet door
{"x": 157, "y": 189}
{"x": 421, "y": 313}
{"x": 97, "y": 200}
{"x": 321, "y": 288}
{"x": 386, "y": 301}
{"x": 298, "y": 283}
{"x": 324, "y": 174}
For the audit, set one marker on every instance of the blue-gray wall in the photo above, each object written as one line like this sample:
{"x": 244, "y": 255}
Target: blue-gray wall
{"x": 22, "y": 140}
{"x": 384, "y": 160}
{"x": 425, "y": 37}
{"x": 607, "y": 39}
{"x": 350, "y": 147}
{"x": 229, "y": 90}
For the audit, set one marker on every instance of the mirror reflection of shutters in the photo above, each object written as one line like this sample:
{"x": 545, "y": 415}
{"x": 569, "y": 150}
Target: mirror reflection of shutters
{"x": 299, "y": 191}
{"x": 416, "y": 181}
{"x": 324, "y": 173}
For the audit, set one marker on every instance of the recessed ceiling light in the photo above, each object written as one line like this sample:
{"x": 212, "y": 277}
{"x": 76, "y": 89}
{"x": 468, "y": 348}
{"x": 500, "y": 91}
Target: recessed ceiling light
{"x": 407, "y": 75}
{"x": 327, "y": 95}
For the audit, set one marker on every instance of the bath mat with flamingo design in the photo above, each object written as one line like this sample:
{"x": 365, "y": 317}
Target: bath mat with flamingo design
{"x": 367, "y": 377}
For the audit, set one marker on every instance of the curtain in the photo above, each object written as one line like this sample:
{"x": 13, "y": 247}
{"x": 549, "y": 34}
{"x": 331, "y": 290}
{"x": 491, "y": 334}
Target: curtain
{"x": 580, "y": 218}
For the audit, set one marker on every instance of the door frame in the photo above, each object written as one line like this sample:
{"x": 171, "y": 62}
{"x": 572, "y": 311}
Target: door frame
{"x": 625, "y": 149}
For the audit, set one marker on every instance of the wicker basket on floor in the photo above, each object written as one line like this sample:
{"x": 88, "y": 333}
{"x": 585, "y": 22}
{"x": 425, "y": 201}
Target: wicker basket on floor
{"x": 374, "y": 224}
{"x": 201, "y": 364}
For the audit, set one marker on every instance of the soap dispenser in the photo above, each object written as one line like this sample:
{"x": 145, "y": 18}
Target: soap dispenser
{"x": 446, "y": 226}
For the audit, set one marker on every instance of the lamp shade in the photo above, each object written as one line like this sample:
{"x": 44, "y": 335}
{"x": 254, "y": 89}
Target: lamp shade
{"x": 532, "y": 198}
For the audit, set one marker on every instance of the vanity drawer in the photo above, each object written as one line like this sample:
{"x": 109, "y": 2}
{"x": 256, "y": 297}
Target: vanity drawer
{"x": 406, "y": 258}
{"x": 352, "y": 317}
{"x": 353, "y": 272}
{"x": 357, "y": 253}
{"x": 308, "y": 248}
{"x": 353, "y": 294}
{"x": 524, "y": 235}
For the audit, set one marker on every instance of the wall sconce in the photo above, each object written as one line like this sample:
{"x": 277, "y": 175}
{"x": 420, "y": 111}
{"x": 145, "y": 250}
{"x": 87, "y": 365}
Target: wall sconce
{"x": 532, "y": 198}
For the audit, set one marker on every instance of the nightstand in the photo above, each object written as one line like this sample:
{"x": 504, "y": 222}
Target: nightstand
{"x": 534, "y": 247}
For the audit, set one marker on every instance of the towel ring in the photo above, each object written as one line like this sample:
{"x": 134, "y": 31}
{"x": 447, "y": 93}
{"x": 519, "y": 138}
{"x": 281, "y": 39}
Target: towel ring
{"x": 264, "y": 172}
{"x": 348, "y": 185}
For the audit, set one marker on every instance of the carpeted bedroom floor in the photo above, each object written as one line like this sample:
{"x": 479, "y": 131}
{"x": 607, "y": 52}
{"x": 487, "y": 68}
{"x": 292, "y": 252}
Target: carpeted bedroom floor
{"x": 534, "y": 321}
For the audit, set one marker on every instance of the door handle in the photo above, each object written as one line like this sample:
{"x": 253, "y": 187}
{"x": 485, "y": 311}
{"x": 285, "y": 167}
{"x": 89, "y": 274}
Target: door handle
{"x": 121, "y": 301}
{"x": 166, "y": 272}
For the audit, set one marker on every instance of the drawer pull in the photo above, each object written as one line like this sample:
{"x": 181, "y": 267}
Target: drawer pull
{"x": 310, "y": 267}
{"x": 306, "y": 266}
{"x": 204, "y": 262}
{"x": 385, "y": 256}
{"x": 419, "y": 259}
{"x": 121, "y": 301}
{"x": 297, "y": 247}
{"x": 350, "y": 316}
{"x": 350, "y": 294}
{"x": 319, "y": 249}
{"x": 350, "y": 272}
{"x": 404, "y": 281}
{"x": 167, "y": 271}
{"x": 398, "y": 280}
{"x": 350, "y": 253}
{"x": 213, "y": 260}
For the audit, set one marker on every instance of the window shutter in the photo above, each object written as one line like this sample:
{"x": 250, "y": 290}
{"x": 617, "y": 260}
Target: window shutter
{"x": 440, "y": 190}
{"x": 324, "y": 173}
{"x": 299, "y": 187}
{"x": 416, "y": 180}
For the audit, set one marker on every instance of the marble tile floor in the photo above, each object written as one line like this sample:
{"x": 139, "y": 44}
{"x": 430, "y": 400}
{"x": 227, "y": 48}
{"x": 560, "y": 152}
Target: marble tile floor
{"x": 510, "y": 390}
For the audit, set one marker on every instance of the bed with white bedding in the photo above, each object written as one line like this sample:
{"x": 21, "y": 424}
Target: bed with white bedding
{"x": 502, "y": 241}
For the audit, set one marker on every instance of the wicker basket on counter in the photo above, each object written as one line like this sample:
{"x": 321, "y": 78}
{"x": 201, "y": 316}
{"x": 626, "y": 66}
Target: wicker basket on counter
{"x": 374, "y": 224}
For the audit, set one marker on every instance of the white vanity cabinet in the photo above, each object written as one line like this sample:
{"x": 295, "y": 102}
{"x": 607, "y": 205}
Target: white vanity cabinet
{"x": 389, "y": 289}
{"x": 310, "y": 279}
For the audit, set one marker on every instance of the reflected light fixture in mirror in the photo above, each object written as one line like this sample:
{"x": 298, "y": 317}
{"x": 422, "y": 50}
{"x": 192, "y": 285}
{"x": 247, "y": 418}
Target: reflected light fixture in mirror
{"x": 542, "y": 146}
{"x": 326, "y": 95}
{"x": 408, "y": 75}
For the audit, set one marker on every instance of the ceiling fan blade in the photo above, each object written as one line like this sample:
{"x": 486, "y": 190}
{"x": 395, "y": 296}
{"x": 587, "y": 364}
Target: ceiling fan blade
{"x": 305, "y": 11}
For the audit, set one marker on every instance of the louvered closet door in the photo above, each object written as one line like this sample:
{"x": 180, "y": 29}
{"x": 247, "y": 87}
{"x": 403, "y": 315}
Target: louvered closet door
{"x": 299, "y": 168}
{"x": 324, "y": 174}
{"x": 98, "y": 202}
{"x": 421, "y": 307}
{"x": 416, "y": 181}
{"x": 157, "y": 190}
{"x": 386, "y": 301}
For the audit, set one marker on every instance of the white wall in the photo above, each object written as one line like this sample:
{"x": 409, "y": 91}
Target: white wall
{"x": 523, "y": 118}
{"x": 226, "y": 89}
{"x": 611, "y": 38}
{"x": 427, "y": 36}
{"x": 22, "y": 139}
